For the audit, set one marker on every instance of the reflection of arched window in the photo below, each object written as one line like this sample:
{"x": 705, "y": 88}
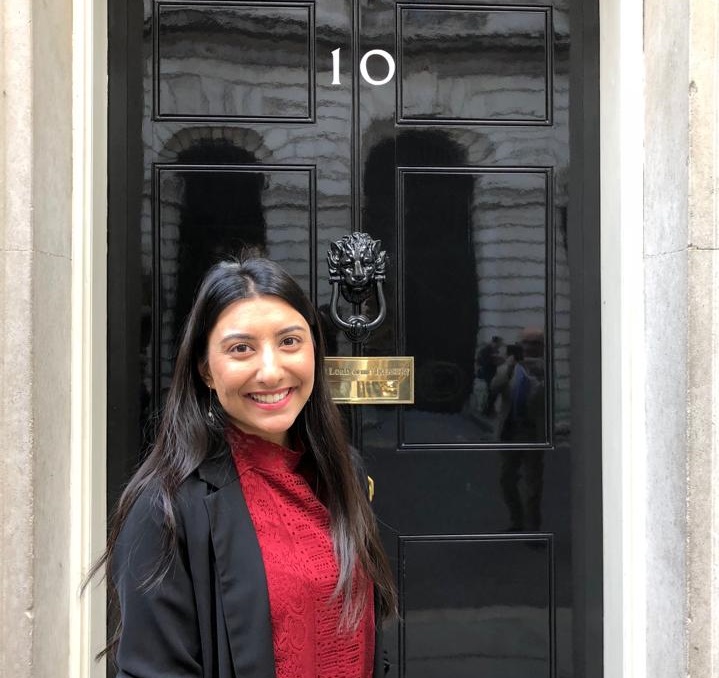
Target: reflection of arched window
{"x": 221, "y": 214}
{"x": 439, "y": 312}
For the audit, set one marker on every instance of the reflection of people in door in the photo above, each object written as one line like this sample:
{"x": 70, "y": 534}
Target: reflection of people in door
{"x": 517, "y": 390}
{"x": 488, "y": 359}
{"x": 519, "y": 385}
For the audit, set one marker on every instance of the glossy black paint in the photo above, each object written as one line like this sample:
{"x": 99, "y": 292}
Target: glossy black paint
{"x": 213, "y": 63}
{"x": 440, "y": 45}
{"x": 226, "y": 132}
{"x": 496, "y": 605}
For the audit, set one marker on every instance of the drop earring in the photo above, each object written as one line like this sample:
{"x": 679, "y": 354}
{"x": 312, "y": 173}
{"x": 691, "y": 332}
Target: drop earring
{"x": 210, "y": 413}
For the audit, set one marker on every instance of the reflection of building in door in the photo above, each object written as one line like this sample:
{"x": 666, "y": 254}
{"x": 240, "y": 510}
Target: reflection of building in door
{"x": 207, "y": 212}
{"x": 437, "y": 260}
{"x": 480, "y": 238}
{"x": 519, "y": 385}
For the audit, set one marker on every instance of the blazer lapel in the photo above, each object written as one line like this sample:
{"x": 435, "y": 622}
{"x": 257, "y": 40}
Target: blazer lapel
{"x": 240, "y": 571}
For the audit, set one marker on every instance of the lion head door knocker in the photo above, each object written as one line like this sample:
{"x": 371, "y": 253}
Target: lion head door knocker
{"x": 356, "y": 267}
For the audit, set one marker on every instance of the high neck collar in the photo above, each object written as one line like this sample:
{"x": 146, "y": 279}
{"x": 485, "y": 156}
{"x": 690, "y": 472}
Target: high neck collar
{"x": 250, "y": 451}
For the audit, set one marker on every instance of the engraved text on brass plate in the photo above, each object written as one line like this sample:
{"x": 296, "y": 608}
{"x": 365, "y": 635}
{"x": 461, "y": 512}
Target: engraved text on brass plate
{"x": 371, "y": 381}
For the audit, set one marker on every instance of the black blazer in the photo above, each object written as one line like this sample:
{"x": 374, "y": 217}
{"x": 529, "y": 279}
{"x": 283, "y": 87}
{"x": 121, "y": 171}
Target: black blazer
{"x": 209, "y": 617}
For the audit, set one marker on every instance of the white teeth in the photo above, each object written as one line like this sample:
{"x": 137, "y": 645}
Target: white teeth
{"x": 268, "y": 398}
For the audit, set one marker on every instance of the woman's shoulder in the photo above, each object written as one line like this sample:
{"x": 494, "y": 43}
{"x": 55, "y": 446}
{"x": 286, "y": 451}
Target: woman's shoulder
{"x": 154, "y": 504}
{"x": 149, "y": 510}
{"x": 143, "y": 536}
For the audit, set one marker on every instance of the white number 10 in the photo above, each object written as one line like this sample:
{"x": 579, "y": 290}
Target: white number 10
{"x": 363, "y": 66}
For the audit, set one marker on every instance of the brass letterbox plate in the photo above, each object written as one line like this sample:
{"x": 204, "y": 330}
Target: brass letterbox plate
{"x": 371, "y": 381}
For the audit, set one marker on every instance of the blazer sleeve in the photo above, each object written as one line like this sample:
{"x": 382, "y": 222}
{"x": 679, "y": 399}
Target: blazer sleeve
{"x": 160, "y": 635}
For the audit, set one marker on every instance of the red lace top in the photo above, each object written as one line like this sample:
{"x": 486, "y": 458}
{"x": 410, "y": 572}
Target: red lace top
{"x": 292, "y": 528}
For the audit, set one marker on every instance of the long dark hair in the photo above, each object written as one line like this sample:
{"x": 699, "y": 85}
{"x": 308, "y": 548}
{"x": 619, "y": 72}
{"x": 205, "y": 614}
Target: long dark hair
{"x": 186, "y": 436}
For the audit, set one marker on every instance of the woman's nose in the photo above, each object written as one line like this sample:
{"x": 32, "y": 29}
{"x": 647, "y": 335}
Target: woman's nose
{"x": 270, "y": 371}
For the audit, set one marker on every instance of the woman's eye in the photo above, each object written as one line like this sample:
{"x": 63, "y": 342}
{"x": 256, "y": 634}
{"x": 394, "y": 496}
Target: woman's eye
{"x": 240, "y": 348}
{"x": 290, "y": 341}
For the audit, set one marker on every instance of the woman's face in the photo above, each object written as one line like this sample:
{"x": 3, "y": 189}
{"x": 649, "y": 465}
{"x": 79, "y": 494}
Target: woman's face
{"x": 261, "y": 364}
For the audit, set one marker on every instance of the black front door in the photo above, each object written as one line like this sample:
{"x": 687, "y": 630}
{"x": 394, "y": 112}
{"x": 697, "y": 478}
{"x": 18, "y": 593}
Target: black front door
{"x": 277, "y": 124}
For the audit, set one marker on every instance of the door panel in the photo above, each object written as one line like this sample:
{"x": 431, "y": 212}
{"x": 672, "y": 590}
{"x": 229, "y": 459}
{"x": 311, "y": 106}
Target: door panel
{"x": 234, "y": 62}
{"x": 466, "y": 627}
{"x": 474, "y": 64}
{"x": 202, "y": 211}
{"x": 226, "y": 132}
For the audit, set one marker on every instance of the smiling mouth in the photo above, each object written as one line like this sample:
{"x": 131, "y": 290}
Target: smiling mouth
{"x": 270, "y": 398}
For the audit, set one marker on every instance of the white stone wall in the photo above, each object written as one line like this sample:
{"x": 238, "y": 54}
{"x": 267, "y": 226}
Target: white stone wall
{"x": 666, "y": 259}
{"x": 703, "y": 342}
{"x": 682, "y": 324}
{"x": 16, "y": 373}
{"x": 35, "y": 313}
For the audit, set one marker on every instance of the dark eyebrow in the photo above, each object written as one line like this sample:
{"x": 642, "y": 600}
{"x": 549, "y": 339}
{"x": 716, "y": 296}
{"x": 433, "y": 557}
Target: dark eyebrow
{"x": 291, "y": 328}
{"x": 234, "y": 336}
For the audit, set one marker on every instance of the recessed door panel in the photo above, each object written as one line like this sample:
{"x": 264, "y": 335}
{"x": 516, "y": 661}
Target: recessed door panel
{"x": 493, "y": 615}
{"x": 492, "y": 262}
{"x": 202, "y": 212}
{"x": 474, "y": 64}
{"x": 213, "y": 59}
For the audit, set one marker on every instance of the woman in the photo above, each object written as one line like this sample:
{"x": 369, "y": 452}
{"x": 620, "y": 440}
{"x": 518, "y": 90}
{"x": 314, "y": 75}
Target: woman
{"x": 245, "y": 544}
